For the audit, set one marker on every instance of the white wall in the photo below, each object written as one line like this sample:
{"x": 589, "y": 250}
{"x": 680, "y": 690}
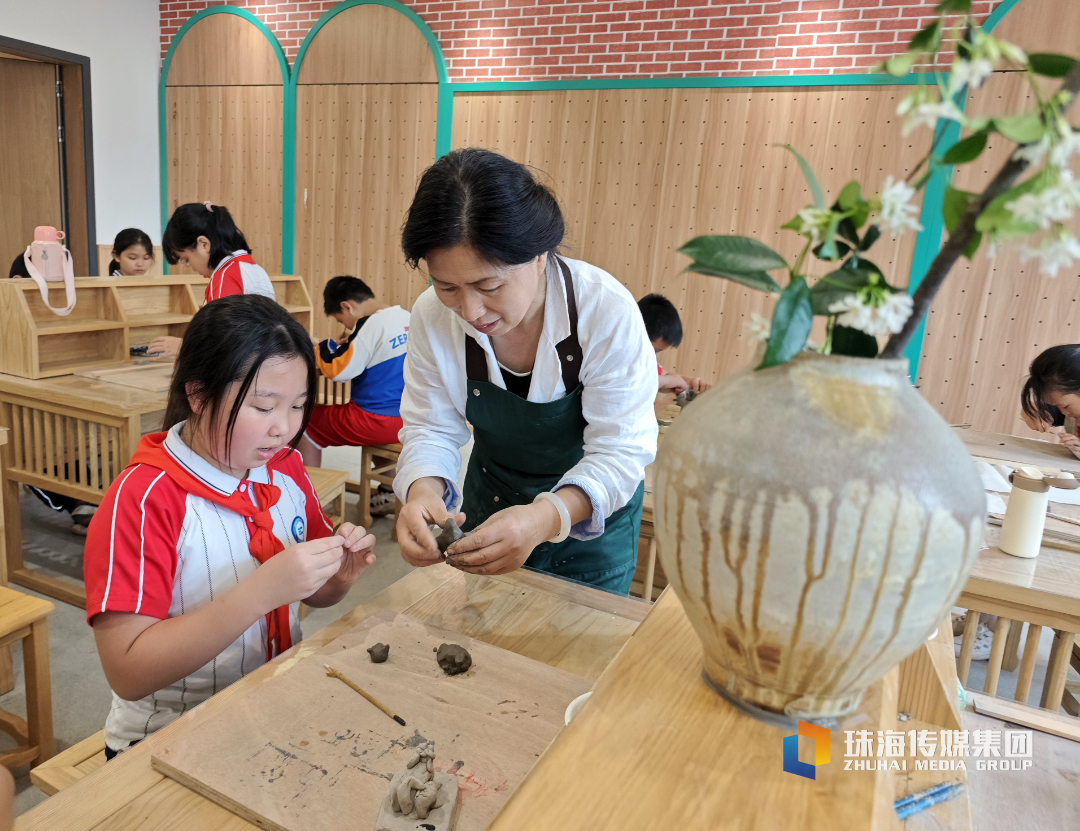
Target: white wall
{"x": 121, "y": 38}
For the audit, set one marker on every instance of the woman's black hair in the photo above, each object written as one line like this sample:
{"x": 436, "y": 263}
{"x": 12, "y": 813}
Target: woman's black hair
{"x": 125, "y": 240}
{"x": 493, "y": 205}
{"x": 340, "y": 289}
{"x": 1056, "y": 369}
{"x": 196, "y": 219}
{"x": 227, "y": 342}
{"x": 661, "y": 319}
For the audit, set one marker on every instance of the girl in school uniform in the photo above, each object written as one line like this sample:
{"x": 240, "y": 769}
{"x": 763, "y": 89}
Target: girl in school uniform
{"x": 132, "y": 254}
{"x": 205, "y": 544}
{"x": 204, "y": 237}
{"x": 1050, "y": 400}
{"x": 547, "y": 358}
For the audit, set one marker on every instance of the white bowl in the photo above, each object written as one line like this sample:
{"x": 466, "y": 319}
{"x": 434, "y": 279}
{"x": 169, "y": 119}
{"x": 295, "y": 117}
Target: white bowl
{"x": 575, "y": 706}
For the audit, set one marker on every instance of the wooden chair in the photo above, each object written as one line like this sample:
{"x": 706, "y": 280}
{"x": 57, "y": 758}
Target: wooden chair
{"x": 376, "y": 464}
{"x": 71, "y": 765}
{"x": 24, "y": 618}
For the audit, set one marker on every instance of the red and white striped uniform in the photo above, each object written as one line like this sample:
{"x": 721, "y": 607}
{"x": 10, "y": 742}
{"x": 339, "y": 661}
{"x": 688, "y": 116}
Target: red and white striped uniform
{"x": 154, "y": 549}
{"x": 239, "y": 274}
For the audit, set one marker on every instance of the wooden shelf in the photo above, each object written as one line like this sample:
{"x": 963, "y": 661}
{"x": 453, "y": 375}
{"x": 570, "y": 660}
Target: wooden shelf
{"x": 64, "y": 326}
{"x": 138, "y": 321}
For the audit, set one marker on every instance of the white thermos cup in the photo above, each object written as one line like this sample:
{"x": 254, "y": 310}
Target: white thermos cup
{"x": 1025, "y": 518}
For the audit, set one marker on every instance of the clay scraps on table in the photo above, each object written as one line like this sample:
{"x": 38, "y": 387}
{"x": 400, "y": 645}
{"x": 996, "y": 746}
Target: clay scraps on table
{"x": 379, "y": 652}
{"x": 453, "y": 659}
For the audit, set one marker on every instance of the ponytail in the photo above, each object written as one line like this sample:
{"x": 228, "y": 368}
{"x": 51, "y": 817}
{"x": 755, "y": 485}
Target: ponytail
{"x": 202, "y": 219}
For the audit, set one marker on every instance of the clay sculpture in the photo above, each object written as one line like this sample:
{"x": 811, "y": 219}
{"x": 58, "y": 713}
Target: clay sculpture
{"x": 379, "y": 652}
{"x": 451, "y": 533}
{"x": 453, "y": 659}
{"x": 419, "y": 793}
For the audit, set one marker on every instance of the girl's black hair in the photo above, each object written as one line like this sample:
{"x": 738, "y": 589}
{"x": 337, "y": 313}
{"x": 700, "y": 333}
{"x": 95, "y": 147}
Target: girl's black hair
{"x": 194, "y": 220}
{"x": 486, "y": 201}
{"x": 228, "y": 341}
{"x": 125, "y": 240}
{"x": 1057, "y": 369}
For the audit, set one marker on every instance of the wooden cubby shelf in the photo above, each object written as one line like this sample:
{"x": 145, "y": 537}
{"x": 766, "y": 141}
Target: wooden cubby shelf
{"x": 110, "y": 316}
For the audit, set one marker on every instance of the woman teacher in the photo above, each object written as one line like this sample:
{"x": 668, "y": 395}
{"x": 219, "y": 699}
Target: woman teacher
{"x": 549, "y": 361}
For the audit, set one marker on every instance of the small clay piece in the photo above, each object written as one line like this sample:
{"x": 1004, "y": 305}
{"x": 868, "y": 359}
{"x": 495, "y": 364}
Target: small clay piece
{"x": 419, "y": 793}
{"x": 453, "y": 659}
{"x": 451, "y": 533}
{"x": 379, "y": 652}
{"x": 685, "y": 397}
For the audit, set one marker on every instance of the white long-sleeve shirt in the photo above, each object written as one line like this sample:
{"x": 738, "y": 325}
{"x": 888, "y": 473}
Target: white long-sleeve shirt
{"x": 618, "y": 373}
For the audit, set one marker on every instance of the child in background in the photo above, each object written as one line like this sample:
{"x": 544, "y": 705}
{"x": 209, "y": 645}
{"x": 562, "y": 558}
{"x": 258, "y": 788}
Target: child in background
{"x": 207, "y": 541}
{"x": 132, "y": 254}
{"x": 1050, "y": 400}
{"x": 370, "y": 352}
{"x": 205, "y": 238}
{"x": 665, "y": 331}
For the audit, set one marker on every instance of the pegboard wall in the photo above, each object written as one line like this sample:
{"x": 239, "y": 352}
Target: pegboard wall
{"x": 640, "y": 172}
{"x": 535, "y": 40}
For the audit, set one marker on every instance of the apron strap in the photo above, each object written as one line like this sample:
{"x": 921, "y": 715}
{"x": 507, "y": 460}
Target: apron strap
{"x": 569, "y": 350}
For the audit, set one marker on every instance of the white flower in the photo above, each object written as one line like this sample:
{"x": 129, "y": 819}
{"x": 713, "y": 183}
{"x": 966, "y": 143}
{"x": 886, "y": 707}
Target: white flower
{"x": 1068, "y": 144}
{"x": 757, "y": 327}
{"x": 815, "y": 223}
{"x": 1054, "y": 254}
{"x": 1012, "y": 53}
{"x": 897, "y": 213}
{"x": 888, "y": 318}
{"x": 969, "y": 73}
{"x": 1033, "y": 153}
{"x": 920, "y": 110}
{"x": 1052, "y": 204}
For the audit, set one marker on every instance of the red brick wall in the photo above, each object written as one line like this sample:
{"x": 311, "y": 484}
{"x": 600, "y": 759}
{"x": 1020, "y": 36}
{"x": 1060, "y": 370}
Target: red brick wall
{"x": 496, "y": 40}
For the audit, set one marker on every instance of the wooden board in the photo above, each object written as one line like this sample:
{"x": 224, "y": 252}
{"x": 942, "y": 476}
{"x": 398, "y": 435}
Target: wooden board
{"x": 329, "y": 769}
{"x": 1016, "y": 451}
{"x": 149, "y": 377}
{"x": 224, "y": 49}
{"x": 1053, "y": 723}
{"x": 655, "y": 748}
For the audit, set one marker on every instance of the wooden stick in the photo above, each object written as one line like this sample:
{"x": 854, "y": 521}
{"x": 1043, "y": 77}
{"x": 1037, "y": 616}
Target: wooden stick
{"x": 333, "y": 673}
{"x": 1061, "y": 518}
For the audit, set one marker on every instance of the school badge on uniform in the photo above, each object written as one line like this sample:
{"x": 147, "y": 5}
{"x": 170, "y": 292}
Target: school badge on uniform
{"x": 298, "y": 529}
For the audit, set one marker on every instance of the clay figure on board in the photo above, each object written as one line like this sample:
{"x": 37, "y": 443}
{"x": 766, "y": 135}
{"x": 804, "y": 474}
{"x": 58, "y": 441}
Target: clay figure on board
{"x": 419, "y": 793}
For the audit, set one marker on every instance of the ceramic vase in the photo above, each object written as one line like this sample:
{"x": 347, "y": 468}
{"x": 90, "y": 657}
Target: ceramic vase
{"x": 817, "y": 520}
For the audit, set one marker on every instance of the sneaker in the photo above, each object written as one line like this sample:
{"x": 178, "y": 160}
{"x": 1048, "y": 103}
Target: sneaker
{"x": 80, "y": 518}
{"x": 382, "y": 502}
{"x": 984, "y": 639}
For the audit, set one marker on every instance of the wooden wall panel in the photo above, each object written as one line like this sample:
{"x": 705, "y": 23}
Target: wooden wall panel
{"x": 29, "y": 155}
{"x": 79, "y": 242}
{"x": 1043, "y": 26}
{"x": 994, "y": 315}
{"x": 224, "y": 49}
{"x": 225, "y": 145}
{"x": 369, "y": 45}
{"x": 360, "y": 152}
{"x": 640, "y": 172}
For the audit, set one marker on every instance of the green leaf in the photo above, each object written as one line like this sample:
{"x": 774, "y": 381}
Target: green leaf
{"x": 828, "y": 248}
{"x": 1051, "y": 66}
{"x": 928, "y": 40}
{"x": 953, "y": 7}
{"x": 860, "y": 213}
{"x": 966, "y": 150}
{"x": 791, "y": 324}
{"x": 1023, "y": 129}
{"x": 973, "y": 246}
{"x": 954, "y": 206}
{"x": 848, "y": 341}
{"x": 900, "y": 65}
{"x": 732, "y": 253}
{"x": 811, "y": 180}
{"x": 996, "y": 218}
{"x": 759, "y": 280}
{"x": 870, "y": 237}
{"x": 836, "y": 286}
{"x": 849, "y": 196}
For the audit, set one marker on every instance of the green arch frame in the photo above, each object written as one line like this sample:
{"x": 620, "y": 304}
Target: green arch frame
{"x": 166, "y": 65}
{"x": 444, "y": 113}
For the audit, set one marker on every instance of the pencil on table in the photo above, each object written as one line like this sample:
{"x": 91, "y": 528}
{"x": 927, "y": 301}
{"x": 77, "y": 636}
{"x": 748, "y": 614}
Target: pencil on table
{"x": 333, "y": 673}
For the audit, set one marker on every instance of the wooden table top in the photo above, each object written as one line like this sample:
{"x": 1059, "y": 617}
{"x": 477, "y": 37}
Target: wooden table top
{"x": 83, "y": 393}
{"x": 544, "y": 618}
{"x": 1015, "y": 451}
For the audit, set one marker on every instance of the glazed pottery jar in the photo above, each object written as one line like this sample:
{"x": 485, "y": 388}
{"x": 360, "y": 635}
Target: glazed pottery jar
{"x": 817, "y": 520}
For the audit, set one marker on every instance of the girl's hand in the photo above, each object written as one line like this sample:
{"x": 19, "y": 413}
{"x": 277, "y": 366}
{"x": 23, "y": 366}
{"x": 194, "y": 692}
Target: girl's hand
{"x": 359, "y": 553}
{"x": 425, "y": 507}
{"x": 505, "y": 541}
{"x": 696, "y": 384}
{"x": 298, "y": 572}
{"x": 1070, "y": 441}
{"x": 166, "y": 347}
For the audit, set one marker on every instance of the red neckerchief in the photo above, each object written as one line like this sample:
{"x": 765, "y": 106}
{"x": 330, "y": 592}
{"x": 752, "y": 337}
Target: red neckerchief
{"x": 263, "y": 543}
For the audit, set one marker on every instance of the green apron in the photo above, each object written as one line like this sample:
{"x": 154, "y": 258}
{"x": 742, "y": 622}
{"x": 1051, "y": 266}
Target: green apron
{"x": 523, "y": 448}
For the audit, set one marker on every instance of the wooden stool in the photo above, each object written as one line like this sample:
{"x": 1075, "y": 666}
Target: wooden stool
{"x": 23, "y": 617}
{"x": 373, "y": 474}
{"x": 71, "y": 765}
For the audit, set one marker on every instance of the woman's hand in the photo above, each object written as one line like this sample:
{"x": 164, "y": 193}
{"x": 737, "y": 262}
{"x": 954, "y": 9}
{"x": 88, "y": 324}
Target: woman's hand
{"x": 297, "y": 572}
{"x": 166, "y": 348}
{"x": 424, "y": 507}
{"x": 505, "y": 541}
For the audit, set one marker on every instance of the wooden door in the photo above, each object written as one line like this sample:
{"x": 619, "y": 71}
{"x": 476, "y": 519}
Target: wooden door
{"x": 30, "y": 162}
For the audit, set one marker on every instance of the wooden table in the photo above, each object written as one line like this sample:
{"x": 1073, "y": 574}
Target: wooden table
{"x": 1013, "y": 451}
{"x": 550, "y": 620}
